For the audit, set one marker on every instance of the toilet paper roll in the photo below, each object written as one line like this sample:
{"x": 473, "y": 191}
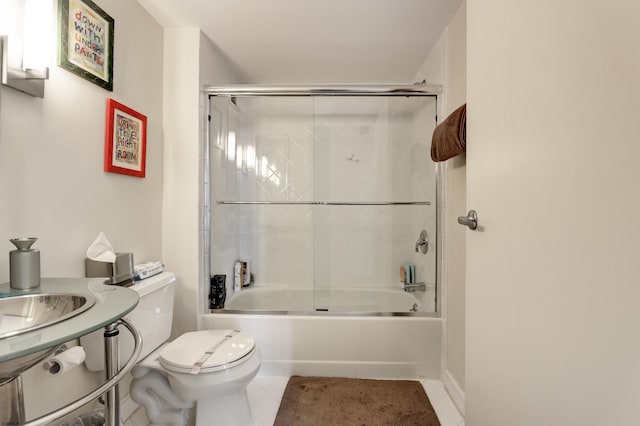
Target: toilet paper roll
{"x": 66, "y": 361}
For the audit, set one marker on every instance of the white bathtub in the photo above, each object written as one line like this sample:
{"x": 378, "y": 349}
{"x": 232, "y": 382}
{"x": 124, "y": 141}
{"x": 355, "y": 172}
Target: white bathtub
{"x": 324, "y": 299}
{"x": 405, "y": 346}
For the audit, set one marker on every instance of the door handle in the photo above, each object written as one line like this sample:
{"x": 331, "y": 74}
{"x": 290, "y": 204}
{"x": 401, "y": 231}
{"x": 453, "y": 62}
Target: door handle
{"x": 470, "y": 220}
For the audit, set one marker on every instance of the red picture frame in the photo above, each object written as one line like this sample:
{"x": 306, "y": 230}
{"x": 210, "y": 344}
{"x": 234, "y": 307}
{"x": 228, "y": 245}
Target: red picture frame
{"x": 125, "y": 146}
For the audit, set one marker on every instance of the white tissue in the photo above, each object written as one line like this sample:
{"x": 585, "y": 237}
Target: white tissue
{"x": 101, "y": 249}
{"x": 66, "y": 361}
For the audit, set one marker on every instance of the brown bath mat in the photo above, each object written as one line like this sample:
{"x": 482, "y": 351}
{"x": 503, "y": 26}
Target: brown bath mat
{"x": 325, "y": 401}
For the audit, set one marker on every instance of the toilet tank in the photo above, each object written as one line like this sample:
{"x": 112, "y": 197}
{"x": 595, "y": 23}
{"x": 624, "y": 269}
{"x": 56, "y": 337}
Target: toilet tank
{"x": 152, "y": 317}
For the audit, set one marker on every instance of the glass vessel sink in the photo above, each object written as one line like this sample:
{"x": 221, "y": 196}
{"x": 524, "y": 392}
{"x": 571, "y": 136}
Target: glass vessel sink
{"x": 20, "y": 314}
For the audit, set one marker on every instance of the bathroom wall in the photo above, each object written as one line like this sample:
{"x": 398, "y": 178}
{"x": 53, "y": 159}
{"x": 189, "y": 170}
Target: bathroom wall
{"x": 52, "y": 183}
{"x": 446, "y": 65}
{"x": 191, "y": 60}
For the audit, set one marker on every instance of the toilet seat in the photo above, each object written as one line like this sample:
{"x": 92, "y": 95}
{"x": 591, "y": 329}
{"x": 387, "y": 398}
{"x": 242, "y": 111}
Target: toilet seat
{"x": 207, "y": 351}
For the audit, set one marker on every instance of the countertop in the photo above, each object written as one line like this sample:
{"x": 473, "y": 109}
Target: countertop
{"x": 112, "y": 302}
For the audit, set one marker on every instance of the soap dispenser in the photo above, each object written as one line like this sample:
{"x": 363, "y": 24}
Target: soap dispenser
{"x": 24, "y": 264}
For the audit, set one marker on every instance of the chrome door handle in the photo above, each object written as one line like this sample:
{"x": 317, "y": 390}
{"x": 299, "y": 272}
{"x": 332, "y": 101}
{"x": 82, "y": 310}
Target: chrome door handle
{"x": 470, "y": 220}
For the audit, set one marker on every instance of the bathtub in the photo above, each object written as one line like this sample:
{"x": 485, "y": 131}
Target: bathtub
{"x": 351, "y": 300}
{"x": 295, "y": 339}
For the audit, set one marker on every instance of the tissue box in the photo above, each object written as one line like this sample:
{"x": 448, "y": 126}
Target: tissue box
{"x": 119, "y": 271}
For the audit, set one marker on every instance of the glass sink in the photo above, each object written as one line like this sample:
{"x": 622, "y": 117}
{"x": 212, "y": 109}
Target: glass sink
{"x": 24, "y": 313}
{"x": 21, "y": 314}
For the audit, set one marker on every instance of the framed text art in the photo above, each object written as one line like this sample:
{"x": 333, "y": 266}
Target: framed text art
{"x": 125, "y": 146}
{"x": 85, "y": 44}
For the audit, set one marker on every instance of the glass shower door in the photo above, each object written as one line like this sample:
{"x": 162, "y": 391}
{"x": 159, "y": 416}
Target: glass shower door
{"x": 324, "y": 198}
{"x": 372, "y": 153}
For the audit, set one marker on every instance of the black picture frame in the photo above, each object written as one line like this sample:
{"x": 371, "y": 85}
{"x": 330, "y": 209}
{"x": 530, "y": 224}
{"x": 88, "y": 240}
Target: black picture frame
{"x": 85, "y": 41}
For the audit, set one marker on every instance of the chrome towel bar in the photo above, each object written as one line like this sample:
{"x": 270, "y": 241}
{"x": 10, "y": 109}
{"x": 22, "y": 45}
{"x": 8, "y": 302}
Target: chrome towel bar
{"x": 330, "y": 203}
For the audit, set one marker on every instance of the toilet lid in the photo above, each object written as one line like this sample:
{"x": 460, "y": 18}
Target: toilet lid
{"x": 206, "y": 351}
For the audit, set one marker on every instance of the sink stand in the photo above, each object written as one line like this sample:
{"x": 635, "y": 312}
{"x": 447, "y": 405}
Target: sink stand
{"x": 11, "y": 397}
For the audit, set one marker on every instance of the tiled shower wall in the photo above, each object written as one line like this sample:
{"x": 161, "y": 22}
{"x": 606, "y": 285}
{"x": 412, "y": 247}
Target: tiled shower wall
{"x": 322, "y": 149}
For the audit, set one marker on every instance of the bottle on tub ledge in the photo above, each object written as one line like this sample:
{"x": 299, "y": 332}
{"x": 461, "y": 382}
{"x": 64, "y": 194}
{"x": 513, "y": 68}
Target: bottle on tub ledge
{"x": 217, "y": 291}
{"x": 241, "y": 274}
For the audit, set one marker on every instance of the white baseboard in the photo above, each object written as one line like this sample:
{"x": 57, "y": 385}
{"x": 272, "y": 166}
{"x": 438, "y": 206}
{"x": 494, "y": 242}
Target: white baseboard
{"x": 455, "y": 392}
{"x": 359, "y": 369}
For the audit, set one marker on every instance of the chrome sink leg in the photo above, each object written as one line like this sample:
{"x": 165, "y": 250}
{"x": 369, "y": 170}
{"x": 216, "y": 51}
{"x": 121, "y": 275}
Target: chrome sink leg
{"x": 12, "y": 402}
{"x": 112, "y": 397}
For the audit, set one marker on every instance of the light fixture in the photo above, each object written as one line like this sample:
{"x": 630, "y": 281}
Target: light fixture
{"x": 23, "y": 60}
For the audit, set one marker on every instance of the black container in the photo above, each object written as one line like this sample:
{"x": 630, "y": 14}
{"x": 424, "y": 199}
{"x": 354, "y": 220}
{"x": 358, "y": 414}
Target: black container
{"x": 217, "y": 291}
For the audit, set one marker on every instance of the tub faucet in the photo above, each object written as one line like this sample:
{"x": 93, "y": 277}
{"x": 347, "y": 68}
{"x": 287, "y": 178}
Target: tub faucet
{"x": 423, "y": 242}
{"x": 415, "y": 287}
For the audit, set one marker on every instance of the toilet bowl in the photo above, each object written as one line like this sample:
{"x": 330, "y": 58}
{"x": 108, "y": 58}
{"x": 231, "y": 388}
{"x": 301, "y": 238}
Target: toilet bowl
{"x": 208, "y": 370}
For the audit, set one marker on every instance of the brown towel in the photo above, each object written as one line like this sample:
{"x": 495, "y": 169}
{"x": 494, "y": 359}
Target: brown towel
{"x": 450, "y": 136}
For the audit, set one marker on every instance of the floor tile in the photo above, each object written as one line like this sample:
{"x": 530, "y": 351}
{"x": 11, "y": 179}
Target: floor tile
{"x": 447, "y": 412}
{"x": 265, "y": 393}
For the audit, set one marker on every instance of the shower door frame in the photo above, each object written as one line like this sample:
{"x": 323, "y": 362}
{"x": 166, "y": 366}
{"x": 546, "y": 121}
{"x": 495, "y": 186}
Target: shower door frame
{"x": 251, "y": 90}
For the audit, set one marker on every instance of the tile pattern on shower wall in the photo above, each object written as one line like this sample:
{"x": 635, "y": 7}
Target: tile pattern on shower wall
{"x": 277, "y": 165}
{"x": 282, "y": 250}
{"x": 372, "y": 157}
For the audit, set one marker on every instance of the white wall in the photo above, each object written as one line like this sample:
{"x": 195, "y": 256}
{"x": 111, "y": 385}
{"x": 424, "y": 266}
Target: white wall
{"x": 446, "y": 65}
{"x": 456, "y": 203}
{"x": 552, "y": 164}
{"x": 52, "y": 183}
{"x": 180, "y": 201}
{"x": 191, "y": 60}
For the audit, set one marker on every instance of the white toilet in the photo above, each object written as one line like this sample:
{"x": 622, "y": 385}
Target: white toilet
{"x": 208, "y": 368}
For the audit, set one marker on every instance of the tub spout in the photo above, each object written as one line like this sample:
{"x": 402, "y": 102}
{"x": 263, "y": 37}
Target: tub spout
{"x": 415, "y": 287}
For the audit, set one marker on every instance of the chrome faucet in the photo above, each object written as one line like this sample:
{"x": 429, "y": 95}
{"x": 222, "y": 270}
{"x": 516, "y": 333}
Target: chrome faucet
{"x": 422, "y": 244}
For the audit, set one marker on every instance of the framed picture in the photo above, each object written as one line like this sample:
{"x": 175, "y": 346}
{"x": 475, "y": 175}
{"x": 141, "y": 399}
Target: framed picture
{"x": 125, "y": 146}
{"x": 85, "y": 44}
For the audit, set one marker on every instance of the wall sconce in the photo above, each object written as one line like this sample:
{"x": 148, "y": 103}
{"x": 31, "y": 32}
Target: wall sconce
{"x": 23, "y": 65}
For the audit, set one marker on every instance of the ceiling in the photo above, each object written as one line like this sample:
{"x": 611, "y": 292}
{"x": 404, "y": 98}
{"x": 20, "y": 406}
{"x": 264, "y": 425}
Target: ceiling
{"x": 316, "y": 41}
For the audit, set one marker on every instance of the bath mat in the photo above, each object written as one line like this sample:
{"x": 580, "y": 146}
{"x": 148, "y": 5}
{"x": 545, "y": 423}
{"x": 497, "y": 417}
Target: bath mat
{"x": 315, "y": 401}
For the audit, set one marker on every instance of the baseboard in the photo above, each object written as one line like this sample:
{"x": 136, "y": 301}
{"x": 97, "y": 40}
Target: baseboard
{"x": 360, "y": 369}
{"x": 455, "y": 391}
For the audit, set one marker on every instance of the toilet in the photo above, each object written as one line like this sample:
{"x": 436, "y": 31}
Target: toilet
{"x": 208, "y": 370}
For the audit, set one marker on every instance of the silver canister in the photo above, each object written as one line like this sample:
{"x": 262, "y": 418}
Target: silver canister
{"x": 24, "y": 264}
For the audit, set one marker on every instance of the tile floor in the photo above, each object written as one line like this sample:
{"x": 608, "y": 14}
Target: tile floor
{"x": 265, "y": 393}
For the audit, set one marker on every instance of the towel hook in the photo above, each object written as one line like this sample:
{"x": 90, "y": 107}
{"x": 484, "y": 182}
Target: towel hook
{"x": 470, "y": 220}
